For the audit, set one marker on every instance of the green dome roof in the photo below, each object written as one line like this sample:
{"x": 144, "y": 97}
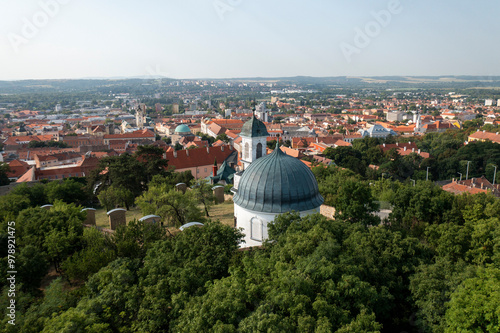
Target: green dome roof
{"x": 278, "y": 183}
{"x": 182, "y": 129}
{"x": 254, "y": 128}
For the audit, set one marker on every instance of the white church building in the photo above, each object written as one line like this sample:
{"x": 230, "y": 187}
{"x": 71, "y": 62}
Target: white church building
{"x": 269, "y": 186}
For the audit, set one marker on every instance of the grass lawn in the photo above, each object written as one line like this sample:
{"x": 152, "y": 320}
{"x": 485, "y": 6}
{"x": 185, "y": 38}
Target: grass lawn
{"x": 223, "y": 212}
{"x": 102, "y": 220}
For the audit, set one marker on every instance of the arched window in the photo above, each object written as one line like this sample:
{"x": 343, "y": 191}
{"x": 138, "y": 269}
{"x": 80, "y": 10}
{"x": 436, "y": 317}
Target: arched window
{"x": 256, "y": 229}
{"x": 259, "y": 150}
{"x": 246, "y": 153}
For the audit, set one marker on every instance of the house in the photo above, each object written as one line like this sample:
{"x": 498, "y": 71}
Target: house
{"x": 472, "y": 186}
{"x": 82, "y": 168}
{"x": 199, "y": 161}
{"x": 404, "y": 148}
{"x": 17, "y": 169}
{"x": 51, "y": 160}
{"x": 377, "y": 131}
{"x": 143, "y": 136}
{"x": 484, "y": 136}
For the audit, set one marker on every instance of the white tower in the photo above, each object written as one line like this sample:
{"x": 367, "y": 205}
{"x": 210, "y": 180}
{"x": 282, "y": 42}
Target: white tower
{"x": 253, "y": 141}
{"x": 140, "y": 115}
{"x": 417, "y": 120}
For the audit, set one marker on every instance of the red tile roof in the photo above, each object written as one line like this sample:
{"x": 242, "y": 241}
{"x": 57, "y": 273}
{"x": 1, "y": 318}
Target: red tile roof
{"x": 485, "y": 136}
{"x": 197, "y": 157}
{"x": 145, "y": 133}
{"x": 17, "y": 168}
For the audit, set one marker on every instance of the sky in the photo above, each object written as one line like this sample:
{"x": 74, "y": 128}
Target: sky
{"x": 183, "y": 39}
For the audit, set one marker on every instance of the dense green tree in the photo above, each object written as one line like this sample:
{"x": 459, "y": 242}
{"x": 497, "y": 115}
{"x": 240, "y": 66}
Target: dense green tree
{"x": 98, "y": 250}
{"x": 179, "y": 268}
{"x": 11, "y": 204}
{"x": 314, "y": 275}
{"x": 36, "y": 193}
{"x": 55, "y": 301}
{"x": 135, "y": 239}
{"x": 115, "y": 196}
{"x": 352, "y": 198}
{"x": 431, "y": 287}
{"x": 56, "y": 232}
{"x": 414, "y": 207}
{"x": 347, "y": 157}
{"x": 152, "y": 159}
{"x": 124, "y": 172}
{"x": 174, "y": 207}
{"x": 4, "y": 178}
{"x": 474, "y": 305}
{"x": 69, "y": 191}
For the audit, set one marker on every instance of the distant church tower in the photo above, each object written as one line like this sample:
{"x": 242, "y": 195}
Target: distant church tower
{"x": 417, "y": 120}
{"x": 140, "y": 115}
{"x": 253, "y": 141}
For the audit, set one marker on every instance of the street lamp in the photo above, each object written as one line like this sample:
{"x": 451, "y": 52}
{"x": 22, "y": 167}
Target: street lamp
{"x": 460, "y": 176}
{"x": 494, "y": 174}
{"x": 427, "y": 175}
{"x": 413, "y": 180}
{"x": 467, "y": 175}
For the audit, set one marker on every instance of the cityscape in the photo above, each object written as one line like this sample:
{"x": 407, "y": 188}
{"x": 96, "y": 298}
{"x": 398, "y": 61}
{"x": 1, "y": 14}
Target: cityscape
{"x": 234, "y": 166}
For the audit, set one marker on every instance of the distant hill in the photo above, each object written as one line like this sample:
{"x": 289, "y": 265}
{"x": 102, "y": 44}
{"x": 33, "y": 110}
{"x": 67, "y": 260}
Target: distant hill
{"x": 134, "y": 84}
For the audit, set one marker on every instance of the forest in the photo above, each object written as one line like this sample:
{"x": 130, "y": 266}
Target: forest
{"x": 431, "y": 266}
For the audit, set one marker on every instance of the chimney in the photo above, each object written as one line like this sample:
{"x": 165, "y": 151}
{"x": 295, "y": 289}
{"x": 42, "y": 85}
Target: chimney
{"x": 482, "y": 185}
{"x": 384, "y": 145}
{"x": 175, "y": 154}
{"x": 208, "y": 150}
{"x": 187, "y": 152}
{"x": 214, "y": 168}
{"x": 413, "y": 150}
{"x": 405, "y": 148}
{"x": 222, "y": 148}
{"x": 419, "y": 151}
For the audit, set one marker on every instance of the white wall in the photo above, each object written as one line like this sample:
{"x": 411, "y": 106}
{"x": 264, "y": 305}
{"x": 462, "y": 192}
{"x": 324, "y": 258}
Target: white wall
{"x": 244, "y": 220}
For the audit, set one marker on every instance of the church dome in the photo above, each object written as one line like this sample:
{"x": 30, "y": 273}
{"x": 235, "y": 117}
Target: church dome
{"x": 182, "y": 129}
{"x": 278, "y": 183}
{"x": 254, "y": 128}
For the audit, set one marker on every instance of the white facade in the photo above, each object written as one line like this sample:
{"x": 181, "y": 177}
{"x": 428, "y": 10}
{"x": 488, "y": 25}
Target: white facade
{"x": 254, "y": 224}
{"x": 262, "y": 113}
{"x": 252, "y": 149}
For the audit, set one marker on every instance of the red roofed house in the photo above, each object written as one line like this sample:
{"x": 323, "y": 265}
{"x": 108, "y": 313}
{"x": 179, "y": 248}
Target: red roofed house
{"x": 17, "y": 169}
{"x": 404, "y": 148}
{"x": 199, "y": 161}
{"x": 472, "y": 186}
{"x": 83, "y": 168}
{"x": 143, "y": 136}
{"x": 485, "y": 136}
